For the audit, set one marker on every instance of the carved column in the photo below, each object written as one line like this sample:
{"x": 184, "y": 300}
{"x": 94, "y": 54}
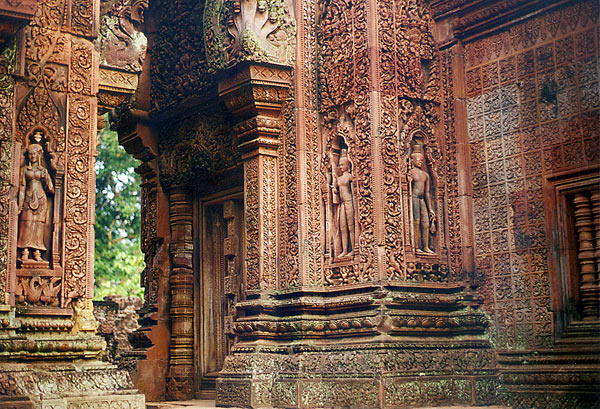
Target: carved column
{"x": 181, "y": 350}
{"x": 595, "y": 198}
{"x": 255, "y": 93}
{"x": 585, "y": 254}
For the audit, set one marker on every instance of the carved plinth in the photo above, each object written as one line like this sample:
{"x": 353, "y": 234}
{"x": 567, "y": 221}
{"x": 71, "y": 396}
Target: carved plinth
{"x": 420, "y": 346}
{"x": 561, "y": 377}
{"x": 61, "y": 386}
{"x": 305, "y": 375}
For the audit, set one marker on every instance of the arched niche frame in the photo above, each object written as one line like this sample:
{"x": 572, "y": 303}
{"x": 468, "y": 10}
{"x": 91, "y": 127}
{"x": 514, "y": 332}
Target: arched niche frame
{"x": 38, "y": 276}
{"x": 423, "y": 197}
{"x": 341, "y": 231}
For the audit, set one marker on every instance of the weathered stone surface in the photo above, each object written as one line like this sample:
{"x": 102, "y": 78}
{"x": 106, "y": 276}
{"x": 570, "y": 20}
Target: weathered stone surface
{"x": 117, "y": 318}
{"x": 382, "y": 203}
{"x": 70, "y": 385}
{"x": 49, "y": 81}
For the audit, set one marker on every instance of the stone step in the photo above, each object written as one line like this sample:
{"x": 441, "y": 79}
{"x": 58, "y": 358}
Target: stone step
{"x": 205, "y": 404}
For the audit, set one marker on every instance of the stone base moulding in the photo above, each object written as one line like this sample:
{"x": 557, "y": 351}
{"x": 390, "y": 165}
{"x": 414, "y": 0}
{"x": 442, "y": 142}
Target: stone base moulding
{"x": 358, "y": 375}
{"x": 90, "y": 385}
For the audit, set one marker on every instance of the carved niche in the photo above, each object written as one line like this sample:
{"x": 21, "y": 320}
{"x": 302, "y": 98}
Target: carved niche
{"x": 50, "y": 229}
{"x": 344, "y": 106}
{"x": 39, "y": 272}
{"x": 421, "y": 204}
{"x": 40, "y": 181}
{"x": 338, "y": 189}
{"x": 422, "y": 198}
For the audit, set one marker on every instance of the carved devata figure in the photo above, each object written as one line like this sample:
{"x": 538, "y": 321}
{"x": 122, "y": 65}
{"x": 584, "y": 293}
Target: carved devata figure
{"x": 36, "y": 284}
{"x": 421, "y": 205}
{"x": 341, "y": 230}
{"x": 34, "y": 203}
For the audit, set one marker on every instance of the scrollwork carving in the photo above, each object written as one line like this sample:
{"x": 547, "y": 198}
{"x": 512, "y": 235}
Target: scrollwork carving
{"x": 196, "y": 148}
{"x": 179, "y": 68}
{"x": 77, "y": 200}
{"x": 7, "y": 61}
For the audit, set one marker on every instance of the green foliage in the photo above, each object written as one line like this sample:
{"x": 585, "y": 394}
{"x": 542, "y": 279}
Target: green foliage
{"x": 118, "y": 260}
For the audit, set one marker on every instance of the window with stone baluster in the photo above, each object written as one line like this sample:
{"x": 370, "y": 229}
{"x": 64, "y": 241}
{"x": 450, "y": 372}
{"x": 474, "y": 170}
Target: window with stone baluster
{"x": 572, "y": 203}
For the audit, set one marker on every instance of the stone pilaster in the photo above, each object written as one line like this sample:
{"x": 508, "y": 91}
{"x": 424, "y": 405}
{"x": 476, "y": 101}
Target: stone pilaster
{"x": 255, "y": 93}
{"x": 48, "y": 347}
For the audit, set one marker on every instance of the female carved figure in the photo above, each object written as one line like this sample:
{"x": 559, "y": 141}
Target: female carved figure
{"x": 422, "y": 212}
{"x": 344, "y": 202}
{"x": 36, "y": 185}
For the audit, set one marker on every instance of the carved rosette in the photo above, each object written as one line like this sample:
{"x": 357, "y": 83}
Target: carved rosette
{"x": 255, "y": 95}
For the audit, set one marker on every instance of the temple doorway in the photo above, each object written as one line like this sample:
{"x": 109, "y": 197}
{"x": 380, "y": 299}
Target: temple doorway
{"x": 218, "y": 235}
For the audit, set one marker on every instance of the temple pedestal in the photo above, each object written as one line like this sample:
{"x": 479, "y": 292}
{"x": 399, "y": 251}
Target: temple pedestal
{"x": 65, "y": 385}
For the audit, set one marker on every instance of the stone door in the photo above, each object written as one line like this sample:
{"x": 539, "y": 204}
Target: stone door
{"x": 218, "y": 239}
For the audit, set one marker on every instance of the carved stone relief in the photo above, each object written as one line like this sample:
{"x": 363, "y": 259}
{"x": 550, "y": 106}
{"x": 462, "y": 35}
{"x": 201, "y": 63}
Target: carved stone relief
{"x": 7, "y": 61}
{"x": 344, "y": 81}
{"x": 530, "y": 115}
{"x": 421, "y": 204}
{"x": 55, "y": 179}
{"x": 36, "y": 190}
{"x": 249, "y": 30}
{"x": 339, "y": 192}
{"x": 120, "y": 43}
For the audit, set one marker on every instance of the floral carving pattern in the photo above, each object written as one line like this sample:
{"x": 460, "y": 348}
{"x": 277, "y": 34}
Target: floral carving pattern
{"x": 179, "y": 68}
{"x": 252, "y": 222}
{"x": 79, "y": 190}
{"x": 269, "y": 231}
{"x": 344, "y": 81}
{"x": 289, "y": 275}
{"x": 410, "y": 83}
{"x": 7, "y": 60}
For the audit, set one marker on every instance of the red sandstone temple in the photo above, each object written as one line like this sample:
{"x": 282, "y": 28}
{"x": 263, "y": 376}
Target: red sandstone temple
{"x": 345, "y": 204}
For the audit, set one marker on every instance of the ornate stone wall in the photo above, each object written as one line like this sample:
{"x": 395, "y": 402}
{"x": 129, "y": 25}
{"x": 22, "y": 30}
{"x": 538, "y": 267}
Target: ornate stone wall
{"x": 401, "y": 166}
{"x": 532, "y": 111}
